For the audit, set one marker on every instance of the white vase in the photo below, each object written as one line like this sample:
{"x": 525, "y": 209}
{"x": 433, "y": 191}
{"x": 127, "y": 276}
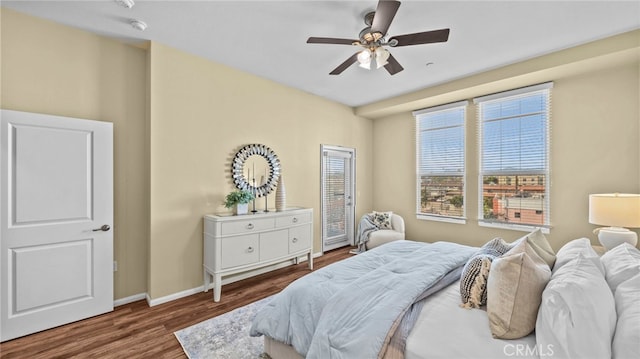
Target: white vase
{"x": 281, "y": 196}
{"x": 241, "y": 208}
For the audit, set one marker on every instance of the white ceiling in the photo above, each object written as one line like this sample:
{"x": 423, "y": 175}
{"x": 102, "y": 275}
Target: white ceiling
{"x": 268, "y": 38}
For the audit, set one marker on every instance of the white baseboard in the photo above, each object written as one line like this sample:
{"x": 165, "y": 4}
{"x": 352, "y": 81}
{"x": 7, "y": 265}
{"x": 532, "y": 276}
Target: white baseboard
{"x": 174, "y": 296}
{"x": 129, "y": 299}
{"x": 226, "y": 280}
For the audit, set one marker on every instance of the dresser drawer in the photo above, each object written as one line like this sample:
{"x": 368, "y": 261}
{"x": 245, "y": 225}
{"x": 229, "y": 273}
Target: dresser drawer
{"x": 292, "y": 220}
{"x": 239, "y": 250}
{"x": 274, "y": 244}
{"x": 246, "y": 226}
{"x": 299, "y": 238}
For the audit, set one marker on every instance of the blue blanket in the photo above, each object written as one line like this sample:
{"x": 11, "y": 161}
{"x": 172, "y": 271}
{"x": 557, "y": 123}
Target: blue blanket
{"x": 365, "y": 227}
{"x": 346, "y": 310}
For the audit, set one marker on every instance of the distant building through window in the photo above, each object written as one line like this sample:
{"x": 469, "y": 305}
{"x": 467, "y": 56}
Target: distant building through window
{"x": 440, "y": 162}
{"x": 514, "y": 157}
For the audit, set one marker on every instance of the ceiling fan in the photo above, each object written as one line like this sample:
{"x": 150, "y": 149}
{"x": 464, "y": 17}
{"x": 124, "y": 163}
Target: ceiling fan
{"x": 372, "y": 39}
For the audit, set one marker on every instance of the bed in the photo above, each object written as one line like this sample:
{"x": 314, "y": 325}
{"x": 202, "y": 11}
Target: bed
{"x": 599, "y": 316}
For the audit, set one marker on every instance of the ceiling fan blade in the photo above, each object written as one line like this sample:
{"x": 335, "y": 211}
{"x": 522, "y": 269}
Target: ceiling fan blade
{"x": 330, "y": 40}
{"x": 343, "y": 66}
{"x": 419, "y": 38}
{"x": 385, "y": 12}
{"x": 393, "y": 66}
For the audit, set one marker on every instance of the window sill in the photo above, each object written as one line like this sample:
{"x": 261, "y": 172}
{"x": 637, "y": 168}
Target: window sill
{"x": 513, "y": 227}
{"x": 427, "y": 217}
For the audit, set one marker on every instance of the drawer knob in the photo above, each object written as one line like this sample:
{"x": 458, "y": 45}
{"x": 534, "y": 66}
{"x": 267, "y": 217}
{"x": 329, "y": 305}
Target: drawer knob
{"x": 250, "y": 250}
{"x": 250, "y": 226}
{"x": 295, "y": 220}
{"x": 294, "y": 240}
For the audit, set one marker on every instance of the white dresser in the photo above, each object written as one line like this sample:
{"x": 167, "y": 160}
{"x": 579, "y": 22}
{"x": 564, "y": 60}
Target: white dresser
{"x": 235, "y": 244}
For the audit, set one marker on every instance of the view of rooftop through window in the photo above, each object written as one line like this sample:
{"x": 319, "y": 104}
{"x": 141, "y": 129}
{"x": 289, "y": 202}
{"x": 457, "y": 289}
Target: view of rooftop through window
{"x": 513, "y": 140}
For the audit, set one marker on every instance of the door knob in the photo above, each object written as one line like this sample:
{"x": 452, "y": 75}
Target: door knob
{"x": 104, "y": 228}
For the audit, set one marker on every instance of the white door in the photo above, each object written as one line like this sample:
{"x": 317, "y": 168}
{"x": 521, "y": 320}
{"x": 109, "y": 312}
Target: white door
{"x": 338, "y": 205}
{"x": 56, "y": 247}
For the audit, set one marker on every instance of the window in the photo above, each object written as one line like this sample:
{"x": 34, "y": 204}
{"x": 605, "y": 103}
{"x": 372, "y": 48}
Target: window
{"x": 513, "y": 135}
{"x": 440, "y": 161}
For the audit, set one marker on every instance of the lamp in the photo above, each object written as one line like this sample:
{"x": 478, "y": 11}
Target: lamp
{"x": 616, "y": 210}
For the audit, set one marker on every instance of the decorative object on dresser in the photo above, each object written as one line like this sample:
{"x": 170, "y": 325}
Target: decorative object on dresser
{"x": 616, "y": 210}
{"x": 250, "y": 163}
{"x": 281, "y": 196}
{"x": 239, "y": 244}
{"x": 239, "y": 200}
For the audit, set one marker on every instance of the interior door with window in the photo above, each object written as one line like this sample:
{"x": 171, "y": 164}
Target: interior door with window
{"x": 56, "y": 213}
{"x": 338, "y": 204}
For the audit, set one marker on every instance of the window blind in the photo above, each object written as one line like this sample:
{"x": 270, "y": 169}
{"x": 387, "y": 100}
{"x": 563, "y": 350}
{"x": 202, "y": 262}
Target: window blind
{"x": 513, "y": 135}
{"x": 336, "y": 194}
{"x": 440, "y": 160}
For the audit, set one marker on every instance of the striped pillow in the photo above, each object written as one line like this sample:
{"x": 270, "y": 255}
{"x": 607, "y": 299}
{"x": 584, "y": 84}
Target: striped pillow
{"x": 473, "y": 282}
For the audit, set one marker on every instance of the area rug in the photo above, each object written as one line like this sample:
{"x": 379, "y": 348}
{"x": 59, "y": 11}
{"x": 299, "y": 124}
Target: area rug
{"x": 225, "y": 336}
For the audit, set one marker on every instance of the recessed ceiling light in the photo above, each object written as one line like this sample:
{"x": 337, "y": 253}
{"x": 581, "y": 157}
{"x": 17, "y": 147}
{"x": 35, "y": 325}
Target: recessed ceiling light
{"x": 125, "y": 3}
{"x": 138, "y": 25}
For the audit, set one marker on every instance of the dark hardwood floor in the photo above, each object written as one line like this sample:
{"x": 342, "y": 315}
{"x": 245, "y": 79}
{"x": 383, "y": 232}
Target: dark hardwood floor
{"x": 136, "y": 330}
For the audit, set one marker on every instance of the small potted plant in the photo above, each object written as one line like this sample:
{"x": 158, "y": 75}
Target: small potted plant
{"x": 239, "y": 200}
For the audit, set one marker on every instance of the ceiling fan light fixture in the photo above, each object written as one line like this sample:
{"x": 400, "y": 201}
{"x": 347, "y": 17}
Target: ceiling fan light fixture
{"x": 382, "y": 55}
{"x": 368, "y": 36}
{"x": 364, "y": 58}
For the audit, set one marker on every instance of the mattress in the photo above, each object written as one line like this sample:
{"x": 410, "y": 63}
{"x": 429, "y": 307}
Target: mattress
{"x": 445, "y": 330}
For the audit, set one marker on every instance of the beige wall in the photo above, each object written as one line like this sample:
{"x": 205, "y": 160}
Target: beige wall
{"x": 200, "y": 114}
{"x": 54, "y": 69}
{"x": 178, "y": 119}
{"x": 595, "y": 146}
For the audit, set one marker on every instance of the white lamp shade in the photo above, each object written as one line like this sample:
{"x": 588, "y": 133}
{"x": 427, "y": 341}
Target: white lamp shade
{"x": 382, "y": 55}
{"x": 615, "y": 209}
{"x": 364, "y": 58}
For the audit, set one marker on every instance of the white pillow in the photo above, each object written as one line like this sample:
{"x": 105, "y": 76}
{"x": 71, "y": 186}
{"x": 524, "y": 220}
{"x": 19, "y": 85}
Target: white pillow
{"x": 626, "y": 341}
{"x": 577, "y": 316}
{"x": 571, "y": 250}
{"x": 621, "y": 263}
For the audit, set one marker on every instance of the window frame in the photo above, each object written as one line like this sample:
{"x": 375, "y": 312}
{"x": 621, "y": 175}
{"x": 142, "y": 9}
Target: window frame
{"x": 418, "y": 114}
{"x": 509, "y": 95}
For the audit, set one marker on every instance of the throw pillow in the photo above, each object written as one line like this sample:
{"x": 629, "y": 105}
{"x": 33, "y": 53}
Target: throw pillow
{"x": 514, "y": 291}
{"x": 620, "y": 263}
{"x": 382, "y": 220}
{"x": 626, "y": 341}
{"x": 541, "y": 245}
{"x": 570, "y": 252}
{"x": 577, "y": 316}
{"x": 473, "y": 281}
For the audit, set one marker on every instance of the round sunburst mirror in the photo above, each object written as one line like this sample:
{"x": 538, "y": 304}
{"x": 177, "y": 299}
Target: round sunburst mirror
{"x": 256, "y": 168}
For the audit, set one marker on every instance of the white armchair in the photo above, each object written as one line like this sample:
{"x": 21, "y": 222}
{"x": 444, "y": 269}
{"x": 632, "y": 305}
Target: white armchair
{"x": 383, "y": 236}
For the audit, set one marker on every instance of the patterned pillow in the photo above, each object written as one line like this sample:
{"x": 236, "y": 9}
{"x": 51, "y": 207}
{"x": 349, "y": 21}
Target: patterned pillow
{"x": 382, "y": 220}
{"x": 473, "y": 282}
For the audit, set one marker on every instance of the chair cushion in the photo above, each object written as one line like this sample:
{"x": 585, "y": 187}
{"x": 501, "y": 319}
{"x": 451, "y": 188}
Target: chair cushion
{"x": 383, "y": 236}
